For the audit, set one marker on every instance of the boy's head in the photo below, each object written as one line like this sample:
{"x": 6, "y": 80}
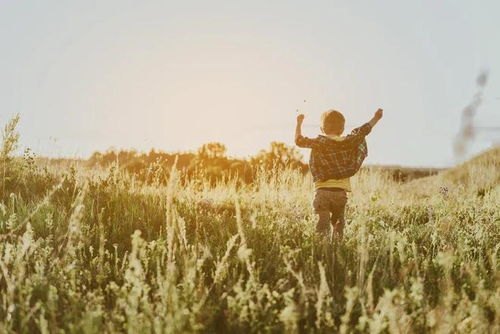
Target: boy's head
{"x": 332, "y": 122}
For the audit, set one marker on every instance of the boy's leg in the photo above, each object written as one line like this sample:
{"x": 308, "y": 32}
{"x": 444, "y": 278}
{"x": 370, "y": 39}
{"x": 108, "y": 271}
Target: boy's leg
{"x": 338, "y": 204}
{"x": 321, "y": 208}
{"x": 338, "y": 227}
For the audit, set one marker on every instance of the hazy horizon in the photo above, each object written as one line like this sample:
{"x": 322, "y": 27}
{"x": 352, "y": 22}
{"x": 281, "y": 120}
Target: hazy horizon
{"x": 88, "y": 76}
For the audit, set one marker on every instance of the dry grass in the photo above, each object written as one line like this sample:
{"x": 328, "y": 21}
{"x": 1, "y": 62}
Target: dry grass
{"x": 93, "y": 253}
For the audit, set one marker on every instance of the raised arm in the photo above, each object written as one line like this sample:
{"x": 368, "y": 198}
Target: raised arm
{"x": 378, "y": 115}
{"x": 300, "y": 140}
{"x": 298, "y": 127}
{"x": 358, "y": 135}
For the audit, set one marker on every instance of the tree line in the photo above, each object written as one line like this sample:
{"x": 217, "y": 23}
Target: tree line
{"x": 209, "y": 162}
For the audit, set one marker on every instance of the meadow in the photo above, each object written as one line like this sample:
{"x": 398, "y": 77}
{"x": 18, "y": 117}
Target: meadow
{"x": 96, "y": 250}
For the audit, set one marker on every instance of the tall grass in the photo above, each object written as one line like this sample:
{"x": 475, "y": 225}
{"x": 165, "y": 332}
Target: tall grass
{"x": 90, "y": 252}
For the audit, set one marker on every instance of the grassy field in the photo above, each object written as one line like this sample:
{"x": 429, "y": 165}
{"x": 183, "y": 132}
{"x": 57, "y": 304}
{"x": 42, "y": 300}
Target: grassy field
{"x": 86, "y": 251}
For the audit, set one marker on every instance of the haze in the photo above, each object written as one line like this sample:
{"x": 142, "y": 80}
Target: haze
{"x": 90, "y": 75}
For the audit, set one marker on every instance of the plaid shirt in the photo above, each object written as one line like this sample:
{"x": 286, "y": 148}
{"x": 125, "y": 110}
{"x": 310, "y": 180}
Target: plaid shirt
{"x": 331, "y": 159}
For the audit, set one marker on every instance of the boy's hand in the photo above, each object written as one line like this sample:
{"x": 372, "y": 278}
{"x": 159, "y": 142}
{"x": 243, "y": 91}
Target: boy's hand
{"x": 298, "y": 128}
{"x": 378, "y": 115}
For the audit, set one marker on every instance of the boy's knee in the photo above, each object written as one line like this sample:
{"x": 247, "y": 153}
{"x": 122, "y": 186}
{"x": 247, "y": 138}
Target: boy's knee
{"x": 323, "y": 224}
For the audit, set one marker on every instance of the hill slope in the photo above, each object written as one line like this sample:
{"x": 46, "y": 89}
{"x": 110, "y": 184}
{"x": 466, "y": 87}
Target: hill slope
{"x": 480, "y": 174}
{"x": 485, "y": 168}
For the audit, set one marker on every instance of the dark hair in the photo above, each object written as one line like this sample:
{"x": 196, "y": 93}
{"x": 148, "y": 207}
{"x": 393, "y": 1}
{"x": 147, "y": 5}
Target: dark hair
{"x": 332, "y": 121}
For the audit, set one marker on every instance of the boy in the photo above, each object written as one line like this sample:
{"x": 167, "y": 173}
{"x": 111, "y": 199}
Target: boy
{"x": 334, "y": 159}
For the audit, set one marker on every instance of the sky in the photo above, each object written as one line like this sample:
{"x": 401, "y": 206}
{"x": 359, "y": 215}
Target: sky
{"x": 173, "y": 75}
